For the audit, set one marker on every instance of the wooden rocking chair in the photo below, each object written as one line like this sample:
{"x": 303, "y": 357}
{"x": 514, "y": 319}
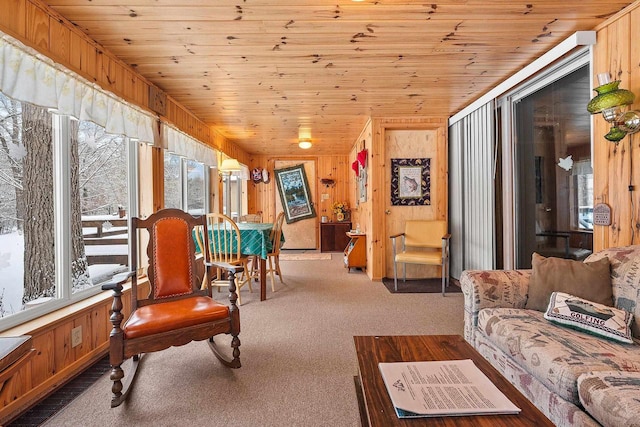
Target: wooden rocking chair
{"x": 176, "y": 311}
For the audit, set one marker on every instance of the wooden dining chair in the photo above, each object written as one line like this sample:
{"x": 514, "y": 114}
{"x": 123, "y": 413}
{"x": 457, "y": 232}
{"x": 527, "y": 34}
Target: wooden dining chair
{"x": 175, "y": 311}
{"x": 225, "y": 247}
{"x": 273, "y": 257}
{"x": 256, "y": 218}
{"x": 423, "y": 242}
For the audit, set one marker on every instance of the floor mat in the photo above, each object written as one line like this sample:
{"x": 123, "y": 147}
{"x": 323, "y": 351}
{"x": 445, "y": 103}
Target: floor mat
{"x": 421, "y": 286}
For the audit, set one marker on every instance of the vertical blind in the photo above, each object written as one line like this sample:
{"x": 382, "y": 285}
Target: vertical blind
{"x": 471, "y": 184}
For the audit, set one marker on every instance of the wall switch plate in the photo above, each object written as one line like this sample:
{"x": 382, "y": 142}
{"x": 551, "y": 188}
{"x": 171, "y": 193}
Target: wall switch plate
{"x": 325, "y": 196}
{"x": 76, "y": 336}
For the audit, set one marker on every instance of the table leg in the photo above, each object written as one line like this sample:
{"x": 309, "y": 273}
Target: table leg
{"x": 263, "y": 278}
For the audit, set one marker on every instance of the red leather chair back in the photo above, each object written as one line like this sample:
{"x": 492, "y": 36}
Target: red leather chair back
{"x": 172, "y": 258}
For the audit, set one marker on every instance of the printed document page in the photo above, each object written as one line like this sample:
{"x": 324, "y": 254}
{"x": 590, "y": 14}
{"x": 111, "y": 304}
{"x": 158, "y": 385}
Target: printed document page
{"x": 442, "y": 388}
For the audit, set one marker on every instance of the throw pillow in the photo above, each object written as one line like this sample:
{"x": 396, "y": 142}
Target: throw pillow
{"x": 587, "y": 316}
{"x": 589, "y": 280}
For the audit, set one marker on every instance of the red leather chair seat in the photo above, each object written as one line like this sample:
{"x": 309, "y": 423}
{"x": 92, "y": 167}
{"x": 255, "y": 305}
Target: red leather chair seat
{"x": 169, "y": 316}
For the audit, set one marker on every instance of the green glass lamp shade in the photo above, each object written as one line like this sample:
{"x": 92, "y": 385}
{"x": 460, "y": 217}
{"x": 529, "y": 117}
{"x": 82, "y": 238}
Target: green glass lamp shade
{"x": 615, "y": 134}
{"x": 609, "y": 96}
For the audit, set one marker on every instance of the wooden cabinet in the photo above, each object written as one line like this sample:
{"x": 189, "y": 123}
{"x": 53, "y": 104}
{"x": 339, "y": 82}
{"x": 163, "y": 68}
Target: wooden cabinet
{"x": 355, "y": 253}
{"x": 333, "y": 236}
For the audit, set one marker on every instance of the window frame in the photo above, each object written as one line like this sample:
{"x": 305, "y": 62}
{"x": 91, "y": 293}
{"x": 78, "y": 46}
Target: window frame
{"x": 61, "y": 140}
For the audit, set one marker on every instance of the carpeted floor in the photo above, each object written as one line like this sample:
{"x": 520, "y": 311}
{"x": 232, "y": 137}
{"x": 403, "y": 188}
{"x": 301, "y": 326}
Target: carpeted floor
{"x": 310, "y": 256}
{"x": 297, "y": 352}
{"x": 418, "y": 286}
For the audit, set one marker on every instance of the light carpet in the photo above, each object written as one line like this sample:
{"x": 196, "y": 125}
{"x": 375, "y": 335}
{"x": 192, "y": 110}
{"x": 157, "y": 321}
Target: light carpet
{"x": 310, "y": 256}
{"x": 297, "y": 352}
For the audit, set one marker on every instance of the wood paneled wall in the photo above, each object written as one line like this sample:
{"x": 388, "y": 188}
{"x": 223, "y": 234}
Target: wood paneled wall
{"x": 617, "y": 167}
{"x": 41, "y": 28}
{"x": 262, "y": 197}
{"x": 380, "y": 170}
{"x": 56, "y": 362}
{"x": 361, "y": 213}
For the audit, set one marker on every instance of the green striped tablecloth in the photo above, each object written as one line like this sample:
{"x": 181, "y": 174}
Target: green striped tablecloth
{"x": 254, "y": 239}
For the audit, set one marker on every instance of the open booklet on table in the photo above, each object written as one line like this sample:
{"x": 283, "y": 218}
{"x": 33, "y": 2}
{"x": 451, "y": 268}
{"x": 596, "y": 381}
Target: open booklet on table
{"x": 442, "y": 388}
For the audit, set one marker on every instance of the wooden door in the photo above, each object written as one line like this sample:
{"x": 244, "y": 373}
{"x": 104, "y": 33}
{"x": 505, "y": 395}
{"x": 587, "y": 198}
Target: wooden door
{"x": 300, "y": 234}
{"x": 410, "y": 144}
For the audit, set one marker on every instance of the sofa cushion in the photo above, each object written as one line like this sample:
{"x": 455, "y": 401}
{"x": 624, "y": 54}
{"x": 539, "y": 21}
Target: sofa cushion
{"x": 591, "y": 281}
{"x": 591, "y": 317}
{"x": 625, "y": 280}
{"x": 611, "y": 397}
{"x": 554, "y": 355}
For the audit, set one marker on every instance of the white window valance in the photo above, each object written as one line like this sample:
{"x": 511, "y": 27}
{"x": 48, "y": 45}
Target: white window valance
{"x": 182, "y": 144}
{"x": 31, "y": 77}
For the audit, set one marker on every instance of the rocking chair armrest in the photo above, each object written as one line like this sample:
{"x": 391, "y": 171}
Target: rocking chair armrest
{"x": 446, "y": 236}
{"x": 117, "y": 281}
{"x": 235, "y": 268}
{"x": 396, "y": 235}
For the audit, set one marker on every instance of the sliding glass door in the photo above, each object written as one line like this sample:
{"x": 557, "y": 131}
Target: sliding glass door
{"x": 550, "y": 150}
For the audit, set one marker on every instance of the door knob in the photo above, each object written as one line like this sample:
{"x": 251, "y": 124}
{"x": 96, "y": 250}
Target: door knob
{"x": 388, "y": 212}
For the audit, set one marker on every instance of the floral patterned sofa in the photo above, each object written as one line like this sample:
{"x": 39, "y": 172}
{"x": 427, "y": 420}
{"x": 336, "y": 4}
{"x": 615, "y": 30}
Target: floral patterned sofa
{"x": 575, "y": 378}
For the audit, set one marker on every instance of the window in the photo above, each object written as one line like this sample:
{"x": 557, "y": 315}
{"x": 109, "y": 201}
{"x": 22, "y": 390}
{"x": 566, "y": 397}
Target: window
{"x": 103, "y": 198}
{"x": 185, "y": 184}
{"x": 195, "y": 190}
{"x": 582, "y": 200}
{"x": 55, "y": 175}
{"x": 63, "y": 195}
{"x": 172, "y": 181}
{"x": 27, "y": 222}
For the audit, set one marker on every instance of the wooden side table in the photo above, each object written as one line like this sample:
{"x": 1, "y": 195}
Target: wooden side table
{"x": 355, "y": 253}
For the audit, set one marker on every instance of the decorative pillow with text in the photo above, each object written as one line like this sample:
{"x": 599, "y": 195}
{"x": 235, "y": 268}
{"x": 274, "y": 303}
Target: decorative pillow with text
{"x": 587, "y": 316}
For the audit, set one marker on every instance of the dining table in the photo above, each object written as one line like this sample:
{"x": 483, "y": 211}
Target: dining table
{"x": 255, "y": 241}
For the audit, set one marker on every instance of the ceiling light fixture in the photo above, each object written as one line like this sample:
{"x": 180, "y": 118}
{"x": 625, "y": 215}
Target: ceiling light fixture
{"x": 610, "y": 101}
{"x": 305, "y": 144}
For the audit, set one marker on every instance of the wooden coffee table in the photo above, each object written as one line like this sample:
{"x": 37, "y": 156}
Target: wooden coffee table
{"x": 375, "y": 405}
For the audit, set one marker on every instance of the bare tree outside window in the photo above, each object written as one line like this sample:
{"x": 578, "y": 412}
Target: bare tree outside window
{"x": 195, "y": 188}
{"x": 172, "y": 181}
{"x": 103, "y": 200}
{"x": 99, "y": 192}
{"x": 27, "y": 239}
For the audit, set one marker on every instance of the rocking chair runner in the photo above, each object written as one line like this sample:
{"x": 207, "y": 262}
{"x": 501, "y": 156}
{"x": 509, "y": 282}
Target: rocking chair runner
{"x": 176, "y": 311}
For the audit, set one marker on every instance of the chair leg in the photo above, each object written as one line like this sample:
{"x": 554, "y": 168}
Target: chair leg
{"x": 239, "y": 284}
{"x": 271, "y": 274}
{"x": 121, "y": 391}
{"x": 278, "y": 268}
{"x": 444, "y": 275}
{"x": 395, "y": 276}
{"x": 246, "y": 275}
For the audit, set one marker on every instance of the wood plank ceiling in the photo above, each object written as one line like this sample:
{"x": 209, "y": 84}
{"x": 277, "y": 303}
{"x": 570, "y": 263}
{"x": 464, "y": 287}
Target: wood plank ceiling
{"x": 264, "y": 72}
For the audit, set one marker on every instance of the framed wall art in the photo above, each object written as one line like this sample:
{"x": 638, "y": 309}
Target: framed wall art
{"x": 294, "y": 193}
{"x": 410, "y": 182}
